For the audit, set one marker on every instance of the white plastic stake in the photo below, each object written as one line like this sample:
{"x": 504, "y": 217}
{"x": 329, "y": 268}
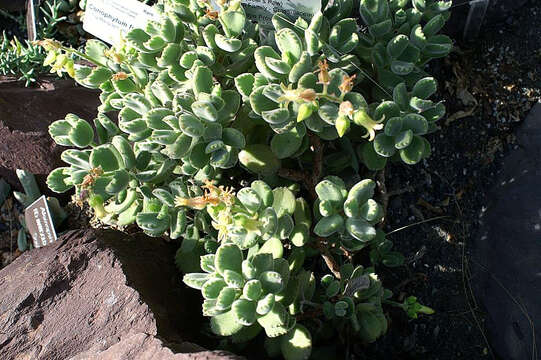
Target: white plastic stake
{"x": 478, "y": 9}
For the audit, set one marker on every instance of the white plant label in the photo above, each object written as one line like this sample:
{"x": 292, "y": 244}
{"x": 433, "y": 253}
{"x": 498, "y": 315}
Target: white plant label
{"x": 40, "y": 223}
{"x": 108, "y": 20}
{"x": 261, "y": 11}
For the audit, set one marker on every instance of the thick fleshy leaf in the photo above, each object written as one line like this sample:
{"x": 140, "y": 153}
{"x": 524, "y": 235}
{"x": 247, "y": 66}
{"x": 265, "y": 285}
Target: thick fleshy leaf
{"x": 360, "y": 229}
{"x": 289, "y": 42}
{"x": 59, "y": 180}
{"x": 226, "y": 298}
{"x": 104, "y": 156}
{"x": 424, "y": 88}
{"x": 228, "y": 257}
{"x": 202, "y": 80}
{"x": 397, "y": 45}
{"x": 195, "y": 280}
{"x": 234, "y": 138}
{"x": 211, "y": 288}
{"x": 245, "y": 311}
{"x": 264, "y": 191}
{"x": 265, "y": 304}
{"x": 205, "y": 110}
{"x": 228, "y": 44}
{"x": 371, "y": 211}
{"x": 233, "y": 279}
{"x": 276, "y": 321}
{"x": 416, "y": 123}
{"x": 233, "y": 22}
{"x": 329, "y": 225}
{"x": 370, "y": 158}
{"x": 225, "y": 324}
{"x": 274, "y": 247}
{"x": 329, "y": 191}
{"x": 250, "y": 199}
{"x": 260, "y": 159}
{"x": 384, "y": 145}
{"x": 252, "y": 290}
{"x": 286, "y": 144}
{"x": 296, "y": 344}
{"x": 414, "y": 152}
{"x": 284, "y": 201}
{"x": 245, "y": 84}
{"x": 403, "y": 139}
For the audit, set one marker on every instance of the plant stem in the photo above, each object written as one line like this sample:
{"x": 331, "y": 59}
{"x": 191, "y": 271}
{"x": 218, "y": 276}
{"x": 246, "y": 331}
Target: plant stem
{"x": 309, "y": 314}
{"x": 292, "y": 174}
{"x": 327, "y": 257}
{"x": 393, "y": 303}
{"x": 383, "y": 195}
{"x": 317, "y": 147}
{"x": 81, "y": 55}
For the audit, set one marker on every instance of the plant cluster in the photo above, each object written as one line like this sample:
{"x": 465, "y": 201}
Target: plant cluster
{"x": 195, "y": 107}
{"x": 59, "y": 19}
{"x": 23, "y": 59}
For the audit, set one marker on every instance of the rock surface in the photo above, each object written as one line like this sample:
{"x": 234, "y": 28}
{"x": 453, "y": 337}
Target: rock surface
{"x": 506, "y": 261}
{"x": 24, "y": 121}
{"x": 98, "y": 295}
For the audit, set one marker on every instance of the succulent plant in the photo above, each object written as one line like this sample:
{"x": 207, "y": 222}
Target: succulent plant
{"x": 30, "y": 195}
{"x": 351, "y": 215}
{"x": 196, "y": 104}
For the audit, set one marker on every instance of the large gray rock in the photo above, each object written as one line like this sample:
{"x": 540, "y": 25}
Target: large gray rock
{"x": 98, "y": 295}
{"x": 507, "y": 254}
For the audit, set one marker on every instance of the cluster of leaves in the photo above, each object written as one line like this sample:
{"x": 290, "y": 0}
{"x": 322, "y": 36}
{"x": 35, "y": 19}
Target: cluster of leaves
{"x": 201, "y": 105}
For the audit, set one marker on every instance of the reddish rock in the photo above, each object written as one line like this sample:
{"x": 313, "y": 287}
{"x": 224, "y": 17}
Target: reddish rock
{"x": 99, "y": 295}
{"x": 146, "y": 347}
{"x": 25, "y": 116}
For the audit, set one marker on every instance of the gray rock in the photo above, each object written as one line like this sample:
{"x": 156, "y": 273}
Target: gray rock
{"x": 99, "y": 295}
{"x": 507, "y": 254}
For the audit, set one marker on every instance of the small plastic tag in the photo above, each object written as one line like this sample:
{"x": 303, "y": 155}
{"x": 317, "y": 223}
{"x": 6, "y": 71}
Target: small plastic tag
{"x": 31, "y": 21}
{"x": 261, "y": 11}
{"x": 40, "y": 223}
{"x": 109, "y": 19}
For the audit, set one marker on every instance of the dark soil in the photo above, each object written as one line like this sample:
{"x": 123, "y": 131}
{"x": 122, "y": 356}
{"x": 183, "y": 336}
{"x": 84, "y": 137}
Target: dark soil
{"x": 25, "y": 115}
{"x": 488, "y": 86}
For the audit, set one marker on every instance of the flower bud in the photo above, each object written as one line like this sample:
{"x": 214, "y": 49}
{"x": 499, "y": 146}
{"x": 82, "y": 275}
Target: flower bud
{"x": 342, "y": 125}
{"x": 305, "y": 110}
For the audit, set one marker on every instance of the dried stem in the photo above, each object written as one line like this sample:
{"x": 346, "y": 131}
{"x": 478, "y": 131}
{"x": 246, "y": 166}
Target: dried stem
{"x": 292, "y": 174}
{"x": 327, "y": 257}
{"x": 309, "y": 314}
{"x": 310, "y": 180}
{"x": 384, "y": 195}
{"x": 317, "y": 147}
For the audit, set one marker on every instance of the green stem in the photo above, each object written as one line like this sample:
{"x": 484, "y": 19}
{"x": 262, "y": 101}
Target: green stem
{"x": 137, "y": 80}
{"x": 324, "y": 95}
{"x": 81, "y": 55}
{"x": 393, "y": 303}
